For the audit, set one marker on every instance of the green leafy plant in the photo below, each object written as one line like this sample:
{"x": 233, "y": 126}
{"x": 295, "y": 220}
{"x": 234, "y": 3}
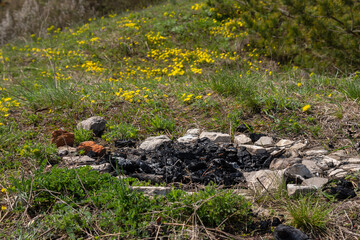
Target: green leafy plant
{"x": 82, "y": 135}
{"x": 158, "y": 123}
{"x": 123, "y": 131}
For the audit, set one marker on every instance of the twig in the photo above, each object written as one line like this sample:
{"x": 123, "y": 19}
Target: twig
{"x": 265, "y": 188}
{"x": 349, "y": 232}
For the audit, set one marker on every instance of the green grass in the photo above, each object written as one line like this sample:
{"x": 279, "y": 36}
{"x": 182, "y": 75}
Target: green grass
{"x": 163, "y": 69}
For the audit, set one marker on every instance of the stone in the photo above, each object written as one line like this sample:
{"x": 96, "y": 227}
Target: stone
{"x": 195, "y": 132}
{"x": 338, "y": 154}
{"x": 62, "y": 138}
{"x": 316, "y": 152}
{"x": 78, "y": 160}
{"x": 269, "y": 179}
{"x": 152, "y": 191}
{"x": 282, "y": 163}
{"x": 337, "y": 173}
{"x": 242, "y": 139}
{"x": 298, "y": 146}
{"x": 298, "y": 169}
{"x": 351, "y": 167}
{"x": 265, "y": 141}
{"x": 96, "y": 124}
{"x": 317, "y": 182}
{"x": 284, "y": 143}
{"x": 187, "y": 139}
{"x": 331, "y": 162}
{"x": 151, "y": 143}
{"x": 92, "y": 146}
{"x": 105, "y": 167}
{"x": 216, "y": 137}
{"x": 66, "y": 150}
{"x": 313, "y": 167}
{"x": 283, "y": 232}
{"x": 351, "y": 161}
{"x": 297, "y": 190}
{"x": 253, "y": 149}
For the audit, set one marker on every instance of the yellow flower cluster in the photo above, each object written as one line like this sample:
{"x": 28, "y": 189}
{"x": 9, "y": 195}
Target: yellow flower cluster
{"x": 134, "y": 95}
{"x": 155, "y": 39}
{"x": 128, "y": 23}
{"x": 197, "y": 6}
{"x": 93, "y": 67}
{"x": 189, "y": 98}
{"x": 229, "y": 29}
{"x": 6, "y": 104}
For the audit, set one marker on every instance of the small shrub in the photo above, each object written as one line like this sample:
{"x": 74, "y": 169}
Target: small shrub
{"x": 123, "y": 131}
{"x": 162, "y": 124}
{"x": 309, "y": 213}
{"x": 82, "y": 135}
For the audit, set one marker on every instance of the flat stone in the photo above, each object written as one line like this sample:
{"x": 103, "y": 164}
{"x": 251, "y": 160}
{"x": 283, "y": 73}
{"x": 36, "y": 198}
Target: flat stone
{"x": 338, "y": 154}
{"x": 298, "y": 169}
{"x": 337, "y": 173}
{"x": 316, "y": 182}
{"x": 216, "y": 137}
{"x": 284, "y": 143}
{"x": 268, "y": 178}
{"x": 351, "y": 161}
{"x": 253, "y": 149}
{"x": 297, "y": 190}
{"x": 152, "y": 191}
{"x": 282, "y": 163}
{"x": 298, "y": 146}
{"x": 316, "y": 152}
{"x": 351, "y": 167}
{"x": 193, "y": 132}
{"x": 187, "y": 139}
{"x": 313, "y": 167}
{"x": 242, "y": 139}
{"x": 151, "y": 143}
{"x": 265, "y": 142}
{"x": 105, "y": 167}
{"x": 66, "y": 149}
{"x": 78, "y": 160}
{"x": 331, "y": 162}
{"x": 96, "y": 124}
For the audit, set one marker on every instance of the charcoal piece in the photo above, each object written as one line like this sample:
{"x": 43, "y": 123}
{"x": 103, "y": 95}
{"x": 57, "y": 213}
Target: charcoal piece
{"x": 283, "y": 232}
{"x": 342, "y": 190}
{"x": 92, "y": 154}
{"x": 146, "y": 168}
{"x": 244, "y": 128}
{"x": 124, "y": 143}
{"x": 195, "y": 166}
{"x": 256, "y": 136}
{"x": 125, "y": 165}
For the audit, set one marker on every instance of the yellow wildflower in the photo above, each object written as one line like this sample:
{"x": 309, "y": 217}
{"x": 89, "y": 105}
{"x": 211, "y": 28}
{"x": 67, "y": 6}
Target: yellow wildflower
{"x": 3, "y": 208}
{"x": 3, "y": 190}
{"x": 305, "y": 108}
{"x": 299, "y": 84}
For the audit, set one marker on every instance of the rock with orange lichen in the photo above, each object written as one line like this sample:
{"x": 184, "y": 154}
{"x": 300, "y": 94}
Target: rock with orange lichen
{"x": 92, "y": 146}
{"x": 62, "y": 138}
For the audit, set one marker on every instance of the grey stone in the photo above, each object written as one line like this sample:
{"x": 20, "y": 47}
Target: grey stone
{"x": 242, "y": 139}
{"x": 297, "y": 169}
{"x": 152, "y": 191}
{"x": 187, "y": 139}
{"x": 268, "y": 178}
{"x": 217, "y": 137}
{"x": 265, "y": 142}
{"x": 282, "y": 163}
{"x": 338, "y": 154}
{"x": 331, "y": 162}
{"x": 78, "y": 160}
{"x": 337, "y": 173}
{"x": 283, "y": 232}
{"x": 96, "y": 124}
{"x": 351, "y": 167}
{"x": 66, "y": 150}
{"x": 313, "y": 167}
{"x": 316, "y": 182}
{"x": 298, "y": 146}
{"x": 105, "y": 167}
{"x": 284, "y": 143}
{"x": 316, "y": 152}
{"x": 296, "y": 190}
{"x": 151, "y": 143}
{"x": 351, "y": 161}
{"x": 253, "y": 149}
{"x": 193, "y": 132}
